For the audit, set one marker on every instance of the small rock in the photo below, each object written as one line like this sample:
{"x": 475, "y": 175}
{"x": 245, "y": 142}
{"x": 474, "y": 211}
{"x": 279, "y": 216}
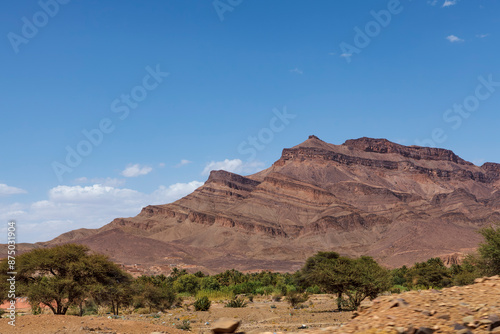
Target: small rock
{"x": 410, "y": 330}
{"x": 468, "y": 320}
{"x": 495, "y": 322}
{"x": 458, "y": 327}
{"x": 399, "y": 302}
{"x": 399, "y": 330}
{"x": 424, "y": 330}
{"x": 464, "y": 331}
{"x": 444, "y": 317}
{"x": 225, "y": 326}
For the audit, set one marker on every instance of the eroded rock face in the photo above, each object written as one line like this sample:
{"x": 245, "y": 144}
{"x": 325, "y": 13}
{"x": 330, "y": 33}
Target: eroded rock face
{"x": 398, "y": 203}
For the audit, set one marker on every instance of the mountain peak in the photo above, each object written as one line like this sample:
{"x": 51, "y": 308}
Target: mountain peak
{"x": 380, "y": 145}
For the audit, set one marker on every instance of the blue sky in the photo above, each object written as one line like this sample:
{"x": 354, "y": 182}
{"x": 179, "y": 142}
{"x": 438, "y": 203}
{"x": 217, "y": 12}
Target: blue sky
{"x": 169, "y": 90}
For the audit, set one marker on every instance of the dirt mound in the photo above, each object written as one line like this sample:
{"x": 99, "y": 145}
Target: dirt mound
{"x": 468, "y": 309}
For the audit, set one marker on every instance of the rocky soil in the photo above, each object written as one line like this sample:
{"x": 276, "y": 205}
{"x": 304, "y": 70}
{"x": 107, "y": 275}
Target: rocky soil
{"x": 463, "y": 310}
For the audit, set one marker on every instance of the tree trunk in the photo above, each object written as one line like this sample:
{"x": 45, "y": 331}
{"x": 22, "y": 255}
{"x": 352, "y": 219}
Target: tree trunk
{"x": 51, "y": 307}
{"x": 339, "y": 301}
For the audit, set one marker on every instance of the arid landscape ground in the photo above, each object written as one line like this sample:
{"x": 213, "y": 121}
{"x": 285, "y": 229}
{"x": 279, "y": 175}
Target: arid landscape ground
{"x": 468, "y": 309}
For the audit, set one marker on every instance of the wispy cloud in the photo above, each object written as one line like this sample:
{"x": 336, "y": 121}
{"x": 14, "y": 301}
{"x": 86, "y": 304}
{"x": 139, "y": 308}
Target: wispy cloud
{"x": 454, "y": 39}
{"x": 234, "y": 166}
{"x": 346, "y": 55}
{"x": 449, "y": 3}
{"x": 109, "y": 182}
{"x": 136, "y": 170}
{"x": 296, "y": 70}
{"x": 482, "y": 35}
{"x": 183, "y": 163}
{"x": 6, "y": 190}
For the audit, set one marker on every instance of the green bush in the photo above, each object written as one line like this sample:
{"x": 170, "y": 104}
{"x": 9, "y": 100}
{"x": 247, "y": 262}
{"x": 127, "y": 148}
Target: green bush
{"x": 187, "y": 284}
{"x": 202, "y": 304}
{"x": 36, "y": 309}
{"x": 313, "y": 290}
{"x": 209, "y": 283}
{"x": 295, "y": 298}
{"x": 236, "y": 303}
{"x": 398, "y": 289}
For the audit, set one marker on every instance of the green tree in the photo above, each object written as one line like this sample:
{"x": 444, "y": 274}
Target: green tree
{"x": 489, "y": 250}
{"x": 64, "y": 276}
{"x": 209, "y": 283}
{"x": 159, "y": 297}
{"x": 356, "y": 279}
{"x": 188, "y": 284}
{"x": 430, "y": 274}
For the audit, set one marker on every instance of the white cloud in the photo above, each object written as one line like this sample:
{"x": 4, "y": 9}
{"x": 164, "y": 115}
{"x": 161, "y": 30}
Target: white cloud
{"x": 296, "y": 70}
{"x": 454, "y": 39}
{"x": 432, "y": 3}
{"x": 346, "y": 55}
{"x": 183, "y": 163}
{"x": 6, "y": 190}
{"x": 111, "y": 182}
{"x": 175, "y": 191}
{"x": 482, "y": 35}
{"x": 136, "y": 170}
{"x": 234, "y": 166}
{"x": 81, "y": 180}
{"x": 449, "y": 3}
{"x": 73, "y": 207}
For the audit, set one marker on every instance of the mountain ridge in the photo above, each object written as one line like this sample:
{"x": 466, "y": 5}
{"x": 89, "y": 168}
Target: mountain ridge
{"x": 399, "y": 204}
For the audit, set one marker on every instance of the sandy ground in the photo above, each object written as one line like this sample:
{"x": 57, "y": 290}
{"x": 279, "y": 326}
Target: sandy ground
{"x": 263, "y": 315}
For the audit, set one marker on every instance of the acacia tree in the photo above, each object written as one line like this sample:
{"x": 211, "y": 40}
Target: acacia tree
{"x": 489, "y": 250}
{"x": 154, "y": 293}
{"x": 64, "y": 276}
{"x": 357, "y": 279}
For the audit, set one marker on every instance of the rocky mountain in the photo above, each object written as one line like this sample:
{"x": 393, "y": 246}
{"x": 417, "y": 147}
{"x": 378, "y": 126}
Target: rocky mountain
{"x": 399, "y": 204}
